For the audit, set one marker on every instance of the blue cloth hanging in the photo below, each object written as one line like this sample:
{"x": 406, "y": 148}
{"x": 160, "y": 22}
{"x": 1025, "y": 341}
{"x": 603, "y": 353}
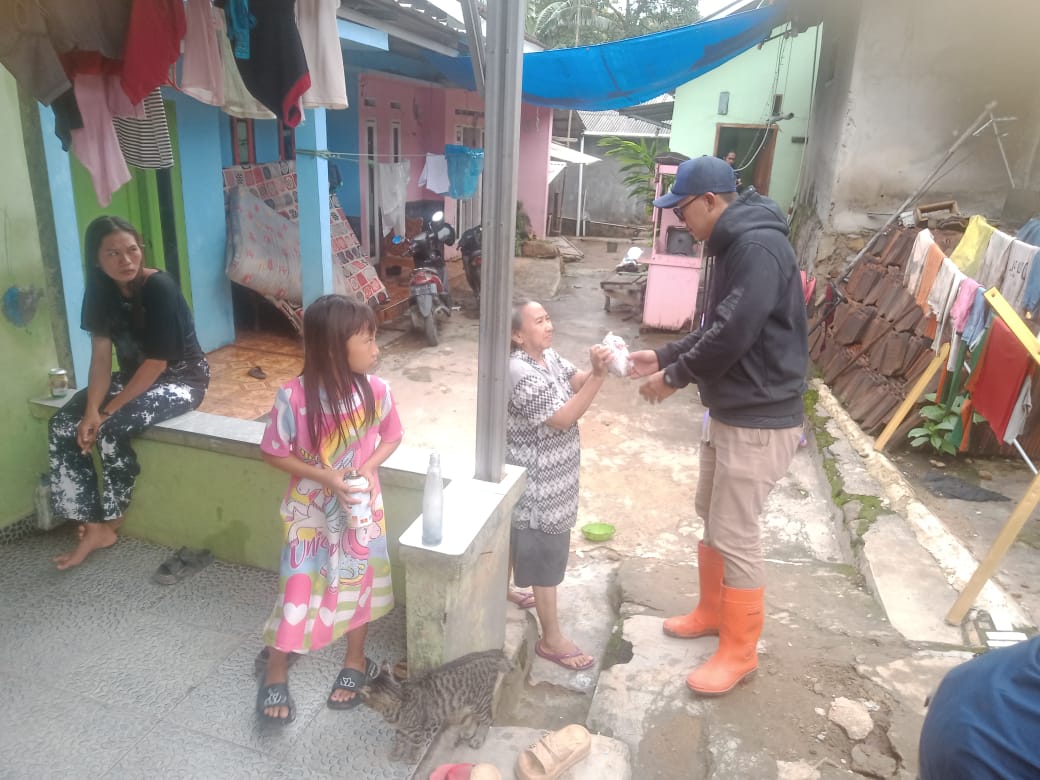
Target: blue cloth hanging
{"x": 464, "y": 168}
{"x": 239, "y": 23}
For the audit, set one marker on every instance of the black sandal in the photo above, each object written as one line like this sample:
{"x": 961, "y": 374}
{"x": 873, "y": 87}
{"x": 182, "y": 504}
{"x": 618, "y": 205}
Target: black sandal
{"x": 351, "y": 680}
{"x": 275, "y": 695}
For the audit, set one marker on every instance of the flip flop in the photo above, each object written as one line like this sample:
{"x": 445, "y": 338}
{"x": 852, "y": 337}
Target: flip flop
{"x": 257, "y": 373}
{"x": 559, "y": 658}
{"x": 554, "y": 754}
{"x": 181, "y": 564}
{"x": 521, "y": 599}
{"x": 275, "y": 695}
{"x": 452, "y": 772}
{"x": 351, "y": 680}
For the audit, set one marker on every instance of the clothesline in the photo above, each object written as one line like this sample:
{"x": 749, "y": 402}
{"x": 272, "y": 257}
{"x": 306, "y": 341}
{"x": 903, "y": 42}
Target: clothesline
{"x": 326, "y": 154}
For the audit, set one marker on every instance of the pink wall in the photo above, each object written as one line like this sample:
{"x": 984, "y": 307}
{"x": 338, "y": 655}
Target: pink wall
{"x": 429, "y": 118}
{"x": 532, "y": 187}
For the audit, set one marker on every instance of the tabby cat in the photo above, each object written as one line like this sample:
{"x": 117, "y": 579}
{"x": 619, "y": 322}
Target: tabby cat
{"x": 458, "y": 693}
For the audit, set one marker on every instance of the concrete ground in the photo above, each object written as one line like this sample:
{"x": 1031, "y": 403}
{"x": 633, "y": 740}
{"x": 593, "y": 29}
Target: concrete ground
{"x": 112, "y": 676}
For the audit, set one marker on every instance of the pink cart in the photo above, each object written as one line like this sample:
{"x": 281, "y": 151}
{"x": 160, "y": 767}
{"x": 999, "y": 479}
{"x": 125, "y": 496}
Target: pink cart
{"x": 674, "y": 267}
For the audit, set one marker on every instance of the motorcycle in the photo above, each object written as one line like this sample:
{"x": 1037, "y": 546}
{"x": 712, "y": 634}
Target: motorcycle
{"x": 428, "y": 297}
{"x": 472, "y": 257}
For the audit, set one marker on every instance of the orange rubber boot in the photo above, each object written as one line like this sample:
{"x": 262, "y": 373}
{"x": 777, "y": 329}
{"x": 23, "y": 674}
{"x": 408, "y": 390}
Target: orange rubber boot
{"x": 743, "y": 613}
{"x": 705, "y": 619}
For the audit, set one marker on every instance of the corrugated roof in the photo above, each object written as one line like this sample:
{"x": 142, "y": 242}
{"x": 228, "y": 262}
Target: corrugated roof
{"x": 613, "y": 123}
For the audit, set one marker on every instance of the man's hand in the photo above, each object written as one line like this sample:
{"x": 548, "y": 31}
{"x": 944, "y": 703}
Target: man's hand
{"x": 86, "y": 432}
{"x": 644, "y": 363}
{"x": 654, "y": 389}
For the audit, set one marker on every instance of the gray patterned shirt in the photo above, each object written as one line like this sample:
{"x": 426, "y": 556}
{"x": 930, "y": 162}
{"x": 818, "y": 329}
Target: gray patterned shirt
{"x": 552, "y": 457}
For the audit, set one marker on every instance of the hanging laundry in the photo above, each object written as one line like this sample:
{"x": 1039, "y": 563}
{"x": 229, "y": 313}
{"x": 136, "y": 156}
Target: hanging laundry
{"x": 1031, "y": 298}
{"x": 66, "y": 117}
{"x": 995, "y": 383}
{"x": 27, "y": 52}
{"x": 932, "y": 264}
{"x": 100, "y": 97}
{"x": 994, "y": 261}
{"x": 978, "y": 320}
{"x": 1020, "y": 412}
{"x": 201, "y": 74}
{"x": 969, "y": 252}
{"x": 239, "y": 24}
{"x": 912, "y": 272}
{"x": 146, "y": 142}
{"x": 153, "y": 44}
{"x": 942, "y": 297}
{"x": 1013, "y": 286}
{"x": 434, "y": 176}
{"x": 319, "y": 33}
{"x": 962, "y": 304}
{"x": 238, "y": 101}
{"x": 392, "y": 189}
{"x": 1030, "y": 232}
{"x": 464, "y": 168}
{"x": 276, "y": 73}
{"x": 88, "y": 25}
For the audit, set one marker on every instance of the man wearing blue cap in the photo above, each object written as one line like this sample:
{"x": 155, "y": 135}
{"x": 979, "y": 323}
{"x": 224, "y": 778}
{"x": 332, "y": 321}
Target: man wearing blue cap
{"x": 748, "y": 360}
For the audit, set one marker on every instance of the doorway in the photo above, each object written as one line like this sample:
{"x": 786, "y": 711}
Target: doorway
{"x": 754, "y": 146}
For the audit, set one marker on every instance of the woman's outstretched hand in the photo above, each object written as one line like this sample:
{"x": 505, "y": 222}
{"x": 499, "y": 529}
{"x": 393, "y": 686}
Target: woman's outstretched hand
{"x": 600, "y": 357}
{"x": 644, "y": 363}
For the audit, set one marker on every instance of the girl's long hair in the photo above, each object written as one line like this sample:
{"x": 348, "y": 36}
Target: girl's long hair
{"x": 327, "y": 325}
{"x": 101, "y": 292}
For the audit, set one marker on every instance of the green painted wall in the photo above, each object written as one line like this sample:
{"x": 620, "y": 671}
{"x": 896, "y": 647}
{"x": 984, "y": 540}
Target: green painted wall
{"x": 27, "y": 350}
{"x": 752, "y": 79}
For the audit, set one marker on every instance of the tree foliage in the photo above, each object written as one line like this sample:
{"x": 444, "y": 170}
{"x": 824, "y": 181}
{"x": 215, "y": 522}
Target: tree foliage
{"x": 637, "y": 164}
{"x": 561, "y": 23}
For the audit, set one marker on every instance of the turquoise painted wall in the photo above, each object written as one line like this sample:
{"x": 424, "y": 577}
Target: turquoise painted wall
{"x": 751, "y": 80}
{"x": 28, "y": 348}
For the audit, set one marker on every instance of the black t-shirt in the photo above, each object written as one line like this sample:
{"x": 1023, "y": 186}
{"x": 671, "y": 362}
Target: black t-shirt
{"x": 163, "y": 330}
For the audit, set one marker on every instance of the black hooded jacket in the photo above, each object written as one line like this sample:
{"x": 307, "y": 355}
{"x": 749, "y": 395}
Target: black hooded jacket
{"x": 750, "y": 357}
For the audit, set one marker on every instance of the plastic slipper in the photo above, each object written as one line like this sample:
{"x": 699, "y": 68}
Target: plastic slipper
{"x": 521, "y": 599}
{"x": 485, "y": 772}
{"x": 181, "y": 564}
{"x": 554, "y": 754}
{"x": 559, "y": 658}
{"x": 275, "y": 695}
{"x": 257, "y": 373}
{"x": 351, "y": 680}
{"x": 260, "y": 662}
{"x": 452, "y": 772}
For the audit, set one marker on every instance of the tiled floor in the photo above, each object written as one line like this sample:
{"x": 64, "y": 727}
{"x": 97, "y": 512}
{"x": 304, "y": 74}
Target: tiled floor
{"x": 234, "y": 393}
{"x": 107, "y": 675}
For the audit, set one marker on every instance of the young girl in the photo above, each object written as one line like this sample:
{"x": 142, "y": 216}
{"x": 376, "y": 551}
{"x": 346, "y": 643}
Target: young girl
{"x": 330, "y": 420}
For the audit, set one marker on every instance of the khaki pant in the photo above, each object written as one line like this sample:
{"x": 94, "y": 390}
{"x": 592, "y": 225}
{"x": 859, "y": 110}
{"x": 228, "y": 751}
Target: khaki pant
{"x": 738, "y": 469}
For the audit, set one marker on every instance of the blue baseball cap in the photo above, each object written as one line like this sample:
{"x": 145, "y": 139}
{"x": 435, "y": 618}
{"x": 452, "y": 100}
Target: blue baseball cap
{"x": 697, "y": 176}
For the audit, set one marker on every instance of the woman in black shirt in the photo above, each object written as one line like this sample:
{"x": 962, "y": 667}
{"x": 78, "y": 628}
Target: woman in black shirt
{"x": 162, "y": 373}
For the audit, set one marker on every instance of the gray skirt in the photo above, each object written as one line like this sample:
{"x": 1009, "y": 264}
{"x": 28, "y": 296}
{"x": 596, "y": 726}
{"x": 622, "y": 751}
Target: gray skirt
{"x": 539, "y": 558}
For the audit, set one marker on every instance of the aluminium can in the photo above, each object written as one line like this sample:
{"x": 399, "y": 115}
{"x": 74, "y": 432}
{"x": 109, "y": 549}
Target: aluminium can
{"x": 359, "y": 515}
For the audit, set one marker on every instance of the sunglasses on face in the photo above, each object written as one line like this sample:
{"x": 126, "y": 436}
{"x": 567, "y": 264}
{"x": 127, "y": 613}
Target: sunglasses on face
{"x": 678, "y": 210}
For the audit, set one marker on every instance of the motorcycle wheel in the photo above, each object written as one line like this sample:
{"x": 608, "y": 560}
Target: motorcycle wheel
{"x": 430, "y": 326}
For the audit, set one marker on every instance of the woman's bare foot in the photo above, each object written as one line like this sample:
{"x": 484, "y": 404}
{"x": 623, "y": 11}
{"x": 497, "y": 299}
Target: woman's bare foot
{"x": 92, "y": 536}
{"x": 277, "y": 672}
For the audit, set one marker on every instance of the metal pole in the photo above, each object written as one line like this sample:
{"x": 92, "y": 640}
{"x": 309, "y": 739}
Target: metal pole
{"x": 505, "y": 51}
{"x": 581, "y": 182}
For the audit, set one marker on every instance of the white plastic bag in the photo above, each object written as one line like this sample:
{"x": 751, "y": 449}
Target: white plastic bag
{"x": 620, "y": 363}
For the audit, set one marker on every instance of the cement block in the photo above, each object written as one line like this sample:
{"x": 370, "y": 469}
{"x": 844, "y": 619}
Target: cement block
{"x": 909, "y": 585}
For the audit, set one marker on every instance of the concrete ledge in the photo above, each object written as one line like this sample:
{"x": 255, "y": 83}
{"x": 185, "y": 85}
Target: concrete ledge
{"x": 456, "y": 589}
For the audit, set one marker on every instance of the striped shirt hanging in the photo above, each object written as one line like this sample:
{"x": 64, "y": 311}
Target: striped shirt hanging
{"x": 146, "y": 142}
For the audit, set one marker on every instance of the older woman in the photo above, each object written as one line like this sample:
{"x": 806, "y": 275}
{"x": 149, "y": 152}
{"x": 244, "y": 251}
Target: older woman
{"x": 162, "y": 373}
{"x": 549, "y": 395}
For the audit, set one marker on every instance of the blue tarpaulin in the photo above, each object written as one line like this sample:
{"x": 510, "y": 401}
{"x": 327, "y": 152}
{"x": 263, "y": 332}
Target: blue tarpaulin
{"x": 632, "y": 71}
